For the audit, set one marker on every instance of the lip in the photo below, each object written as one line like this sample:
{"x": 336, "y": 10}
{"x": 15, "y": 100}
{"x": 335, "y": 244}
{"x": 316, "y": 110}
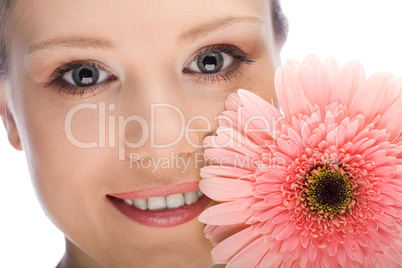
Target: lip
{"x": 160, "y": 218}
{"x": 159, "y": 191}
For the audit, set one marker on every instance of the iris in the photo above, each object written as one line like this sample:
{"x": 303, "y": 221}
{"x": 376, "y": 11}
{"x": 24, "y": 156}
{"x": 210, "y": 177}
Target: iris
{"x": 210, "y": 62}
{"x": 85, "y": 75}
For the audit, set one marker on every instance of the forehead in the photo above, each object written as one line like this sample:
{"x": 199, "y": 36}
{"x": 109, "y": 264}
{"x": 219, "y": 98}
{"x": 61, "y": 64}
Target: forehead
{"x": 46, "y": 18}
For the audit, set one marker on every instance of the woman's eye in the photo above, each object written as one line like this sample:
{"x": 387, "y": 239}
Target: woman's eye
{"x": 81, "y": 77}
{"x": 211, "y": 62}
{"x": 86, "y": 75}
{"x": 217, "y": 62}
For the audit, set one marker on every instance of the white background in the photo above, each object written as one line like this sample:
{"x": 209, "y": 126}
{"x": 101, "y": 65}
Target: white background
{"x": 369, "y": 31}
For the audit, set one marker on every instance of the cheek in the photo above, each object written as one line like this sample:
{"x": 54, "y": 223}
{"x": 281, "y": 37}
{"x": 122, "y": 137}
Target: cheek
{"x": 59, "y": 169}
{"x": 201, "y": 104}
{"x": 259, "y": 79}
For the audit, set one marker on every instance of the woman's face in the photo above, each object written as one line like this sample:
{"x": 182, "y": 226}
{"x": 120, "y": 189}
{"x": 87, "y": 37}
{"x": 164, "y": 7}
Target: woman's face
{"x": 111, "y": 100}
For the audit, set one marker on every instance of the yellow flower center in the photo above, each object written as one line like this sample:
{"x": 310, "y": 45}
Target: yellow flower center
{"x": 328, "y": 192}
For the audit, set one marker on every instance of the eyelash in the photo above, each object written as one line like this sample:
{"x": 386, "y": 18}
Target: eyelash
{"x": 226, "y": 75}
{"x": 75, "y": 90}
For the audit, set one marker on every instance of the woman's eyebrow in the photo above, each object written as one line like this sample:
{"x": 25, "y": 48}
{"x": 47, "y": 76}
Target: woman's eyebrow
{"x": 215, "y": 25}
{"x": 189, "y": 36}
{"x": 70, "y": 42}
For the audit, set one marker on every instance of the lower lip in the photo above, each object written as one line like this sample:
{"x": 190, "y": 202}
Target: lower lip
{"x": 162, "y": 218}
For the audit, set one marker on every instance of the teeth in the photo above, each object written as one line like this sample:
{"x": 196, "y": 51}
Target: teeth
{"x": 199, "y": 193}
{"x": 175, "y": 201}
{"x": 190, "y": 198}
{"x": 156, "y": 203}
{"x": 129, "y": 201}
{"x": 140, "y": 203}
{"x": 169, "y": 202}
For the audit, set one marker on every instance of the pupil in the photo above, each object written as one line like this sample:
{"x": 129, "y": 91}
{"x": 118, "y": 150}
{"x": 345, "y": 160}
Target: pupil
{"x": 210, "y": 62}
{"x": 329, "y": 192}
{"x": 86, "y": 75}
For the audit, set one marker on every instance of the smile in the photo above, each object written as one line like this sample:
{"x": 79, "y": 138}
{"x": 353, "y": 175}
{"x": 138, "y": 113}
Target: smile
{"x": 162, "y": 207}
{"x": 162, "y": 202}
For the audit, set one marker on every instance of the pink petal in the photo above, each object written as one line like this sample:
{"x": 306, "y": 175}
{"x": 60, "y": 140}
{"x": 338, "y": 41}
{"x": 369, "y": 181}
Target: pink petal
{"x": 229, "y": 119}
{"x": 226, "y": 214}
{"x": 296, "y": 139}
{"x": 385, "y": 172}
{"x": 222, "y": 190}
{"x": 372, "y": 92}
{"x": 349, "y": 80}
{"x": 278, "y": 229}
{"x": 285, "y": 232}
{"x": 274, "y": 175}
{"x": 229, "y": 247}
{"x": 233, "y": 102}
{"x": 225, "y": 158}
{"x": 303, "y": 259}
{"x": 333, "y": 69}
{"x": 387, "y": 200}
{"x": 393, "y": 212}
{"x": 218, "y": 233}
{"x": 312, "y": 86}
{"x": 325, "y": 260}
{"x": 336, "y": 137}
{"x": 295, "y": 254}
{"x": 312, "y": 252}
{"x": 332, "y": 248}
{"x": 396, "y": 254}
{"x": 353, "y": 249}
{"x": 258, "y": 106}
{"x": 390, "y": 93}
{"x": 237, "y": 142}
{"x": 392, "y": 115}
{"x": 386, "y": 219}
{"x": 305, "y": 240}
{"x": 258, "y": 128}
{"x": 323, "y": 77}
{"x": 294, "y": 64}
{"x": 271, "y": 260}
{"x": 271, "y": 209}
{"x": 386, "y": 228}
{"x": 341, "y": 255}
{"x": 287, "y": 147}
{"x": 293, "y": 241}
{"x": 232, "y": 172}
{"x": 250, "y": 256}
{"x": 283, "y": 217}
{"x": 362, "y": 240}
{"x": 374, "y": 241}
{"x": 290, "y": 92}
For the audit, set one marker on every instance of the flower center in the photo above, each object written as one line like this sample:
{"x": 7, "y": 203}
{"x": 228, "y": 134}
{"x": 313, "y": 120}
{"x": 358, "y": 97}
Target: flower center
{"x": 328, "y": 191}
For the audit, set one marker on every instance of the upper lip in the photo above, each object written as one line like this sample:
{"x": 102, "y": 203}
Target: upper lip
{"x": 158, "y": 191}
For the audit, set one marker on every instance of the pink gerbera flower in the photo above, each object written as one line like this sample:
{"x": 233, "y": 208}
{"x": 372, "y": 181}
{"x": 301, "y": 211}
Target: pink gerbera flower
{"x": 317, "y": 184}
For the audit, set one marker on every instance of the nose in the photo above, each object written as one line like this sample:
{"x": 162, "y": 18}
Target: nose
{"x": 162, "y": 121}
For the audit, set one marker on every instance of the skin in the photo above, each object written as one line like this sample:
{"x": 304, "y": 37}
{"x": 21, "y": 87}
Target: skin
{"x": 139, "y": 43}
